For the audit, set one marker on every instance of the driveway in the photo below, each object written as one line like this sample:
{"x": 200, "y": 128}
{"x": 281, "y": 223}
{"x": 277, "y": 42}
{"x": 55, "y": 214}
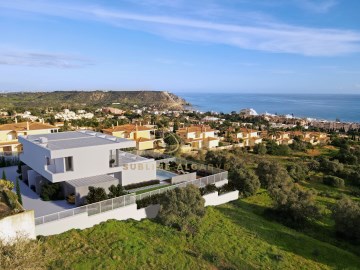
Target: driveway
{"x": 31, "y": 200}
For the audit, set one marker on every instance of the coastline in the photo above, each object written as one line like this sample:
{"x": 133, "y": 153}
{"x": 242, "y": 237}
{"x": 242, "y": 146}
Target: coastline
{"x": 315, "y": 107}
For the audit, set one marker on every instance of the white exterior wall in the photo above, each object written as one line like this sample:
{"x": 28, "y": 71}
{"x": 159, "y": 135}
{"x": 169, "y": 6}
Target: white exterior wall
{"x": 87, "y": 161}
{"x": 138, "y": 172}
{"x": 19, "y": 225}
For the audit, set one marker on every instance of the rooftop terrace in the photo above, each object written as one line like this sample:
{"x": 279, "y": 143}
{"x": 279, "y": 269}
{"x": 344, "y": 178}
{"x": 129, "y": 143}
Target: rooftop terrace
{"x": 77, "y": 139}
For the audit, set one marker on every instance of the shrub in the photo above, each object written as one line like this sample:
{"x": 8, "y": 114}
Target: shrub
{"x": 333, "y": 181}
{"x": 116, "y": 191}
{"x": 226, "y": 188}
{"x": 24, "y": 254}
{"x": 182, "y": 208}
{"x": 208, "y": 189}
{"x": 71, "y": 198}
{"x": 51, "y": 192}
{"x": 346, "y": 214}
{"x": 271, "y": 173}
{"x": 246, "y": 181}
{"x": 293, "y": 205}
{"x": 12, "y": 201}
{"x": 96, "y": 194}
{"x": 154, "y": 199}
{"x": 298, "y": 172}
{"x": 142, "y": 184}
{"x": 260, "y": 149}
{"x": 6, "y": 184}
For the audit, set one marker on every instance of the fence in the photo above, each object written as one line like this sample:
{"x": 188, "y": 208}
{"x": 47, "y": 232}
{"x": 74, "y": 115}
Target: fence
{"x": 90, "y": 209}
{"x": 201, "y": 182}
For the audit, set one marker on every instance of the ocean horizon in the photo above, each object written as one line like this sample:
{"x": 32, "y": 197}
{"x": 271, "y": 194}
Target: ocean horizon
{"x": 344, "y": 107}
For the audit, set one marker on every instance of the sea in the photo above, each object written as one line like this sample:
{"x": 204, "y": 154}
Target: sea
{"x": 345, "y": 108}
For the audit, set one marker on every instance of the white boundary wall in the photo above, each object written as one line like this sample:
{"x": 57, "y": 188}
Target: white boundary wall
{"x": 17, "y": 225}
{"x": 216, "y": 199}
{"x": 83, "y": 221}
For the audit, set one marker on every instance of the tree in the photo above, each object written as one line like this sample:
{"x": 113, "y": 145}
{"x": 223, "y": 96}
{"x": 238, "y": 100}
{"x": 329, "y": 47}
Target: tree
{"x": 346, "y": 214}
{"x": 294, "y": 205}
{"x": 246, "y": 181}
{"x": 260, "y": 149}
{"x": 18, "y": 192}
{"x": 96, "y": 195}
{"x": 4, "y": 175}
{"x": 271, "y": 173}
{"x": 333, "y": 181}
{"x": 182, "y": 208}
{"x": 116, "y": 191}
{"x": 298, "y": 172}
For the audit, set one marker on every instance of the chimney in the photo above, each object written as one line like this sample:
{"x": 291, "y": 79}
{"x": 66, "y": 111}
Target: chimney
{"x": 136, "y": 131}
{"x": 112, "y": 126}
{"x": 117, "y": 123}
{"x": 27, "y": 125}
{"x": 15, "y": 120}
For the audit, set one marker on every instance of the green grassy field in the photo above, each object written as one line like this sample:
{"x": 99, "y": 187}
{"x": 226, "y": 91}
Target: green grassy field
{"x": 231, "y": 236}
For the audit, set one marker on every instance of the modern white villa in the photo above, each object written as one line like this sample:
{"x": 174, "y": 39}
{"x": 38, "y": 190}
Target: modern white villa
{"x": 80, "y": 159}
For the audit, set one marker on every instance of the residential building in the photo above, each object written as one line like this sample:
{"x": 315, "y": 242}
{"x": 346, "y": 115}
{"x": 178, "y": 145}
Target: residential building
{"x": 199, "y": 136}
{"x": 79, "y": 159}
{"x": 142, "y": 135}
{"x": 244, "y": 136}
{"x": 9, "y": 134}
{"x": 280, "y": 137}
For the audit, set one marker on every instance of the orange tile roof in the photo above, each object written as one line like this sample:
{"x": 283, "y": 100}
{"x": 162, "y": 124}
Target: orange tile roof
{"x": 127, "y": 128}
{"x": 195, "y": 128}
{"x": 19, "y": 127}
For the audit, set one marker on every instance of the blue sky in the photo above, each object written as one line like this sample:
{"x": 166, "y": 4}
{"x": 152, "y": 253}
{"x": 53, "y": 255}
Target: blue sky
{"x": 277, "y": 46}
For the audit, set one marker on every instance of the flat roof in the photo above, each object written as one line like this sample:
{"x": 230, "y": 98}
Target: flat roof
{"x": 76, "y": 139}
{"x": 92, "y": 180}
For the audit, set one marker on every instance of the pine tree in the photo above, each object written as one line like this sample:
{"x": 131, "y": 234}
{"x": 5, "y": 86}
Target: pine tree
{"x": 18, "y": 192}
{"x": 4, "y": 175}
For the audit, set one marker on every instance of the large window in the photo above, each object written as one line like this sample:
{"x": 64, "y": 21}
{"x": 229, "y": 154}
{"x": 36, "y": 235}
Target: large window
{"x": 69, "y": 164}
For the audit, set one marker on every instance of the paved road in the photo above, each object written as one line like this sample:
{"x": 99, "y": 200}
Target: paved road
{"x": 31, "y": 200}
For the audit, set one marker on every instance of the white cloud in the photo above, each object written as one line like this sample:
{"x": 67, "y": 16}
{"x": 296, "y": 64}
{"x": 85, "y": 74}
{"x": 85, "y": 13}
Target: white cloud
{"x": 38, "y": 59}
{"x": 318, "y": 6}
{"x": 262, "y": 36}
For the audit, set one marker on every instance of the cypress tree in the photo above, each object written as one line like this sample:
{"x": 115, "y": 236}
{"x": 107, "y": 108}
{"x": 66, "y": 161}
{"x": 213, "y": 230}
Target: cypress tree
{"x": 18, "y": 192}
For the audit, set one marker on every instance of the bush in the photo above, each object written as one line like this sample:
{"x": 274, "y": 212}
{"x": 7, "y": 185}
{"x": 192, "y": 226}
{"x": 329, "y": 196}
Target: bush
{"x": 246, "y": 181}
{"x": 154, "y": 199}
{"x": 346, "y": 214}
{"x": 208, "y": 189}
{"x": 51, "y": 192}
{"x": 116, "y": 191}
{"x": 271, "y": 173}
{"x": 142, "y": 184}
{"x": 298, "y": 172}
{"x": 24, "y": 254}
{"x": 333, "y": 181}
{"x": 260, "y": 149}
{"x": 226, "y": 188}
{"x": 182, "y": 208}
{"x": 96, "y": 195}
{"x": 71, "y": 198}
{"x": 6, "y": 184}
{"x": 293, "y": 205}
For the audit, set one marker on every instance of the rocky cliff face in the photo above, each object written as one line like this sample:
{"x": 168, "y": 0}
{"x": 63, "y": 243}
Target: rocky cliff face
{"x": 157, "y": 99}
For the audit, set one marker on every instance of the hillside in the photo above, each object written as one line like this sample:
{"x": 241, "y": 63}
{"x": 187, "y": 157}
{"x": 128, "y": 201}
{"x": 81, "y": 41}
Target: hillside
{"x": 158, "y": 99}
{"x": 232, "y": 236}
